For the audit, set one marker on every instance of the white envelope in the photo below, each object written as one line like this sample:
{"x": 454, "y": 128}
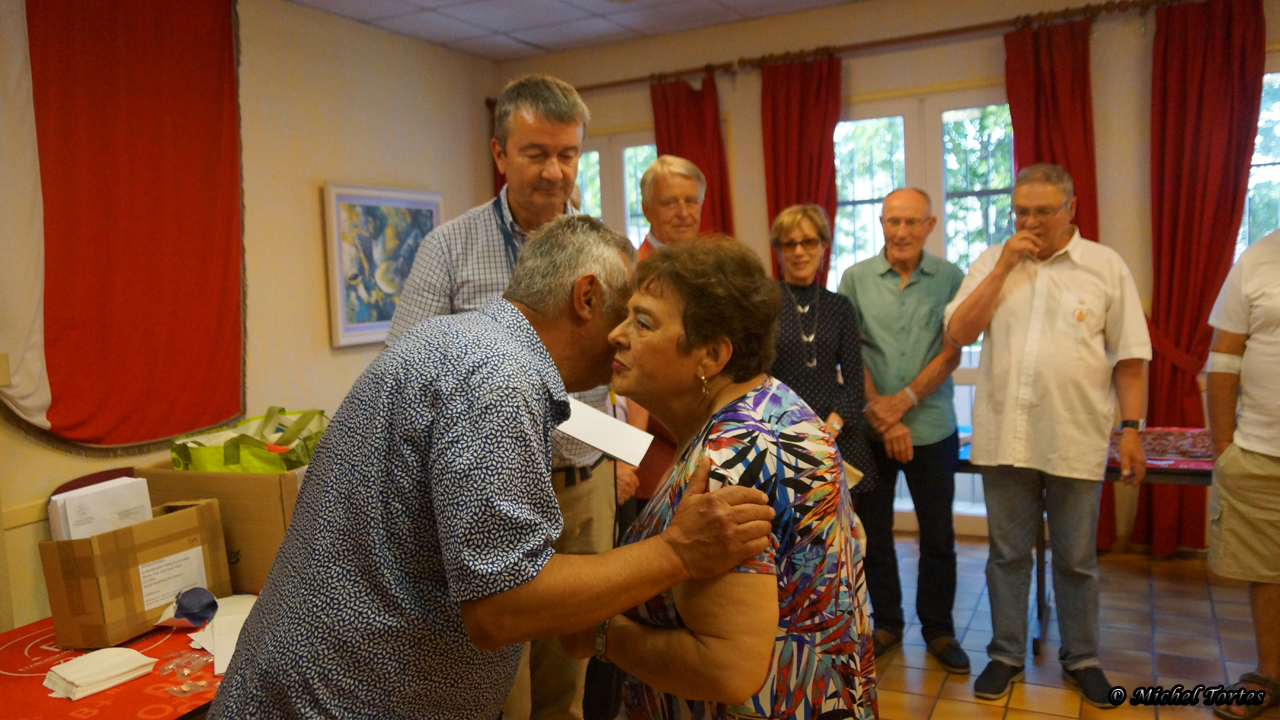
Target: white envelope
{"x": 606, "y": 434}
{"x": 99, "y": 508}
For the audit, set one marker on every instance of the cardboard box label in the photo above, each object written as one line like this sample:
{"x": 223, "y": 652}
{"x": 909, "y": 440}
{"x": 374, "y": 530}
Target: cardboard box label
{"x": 163, "y": 579}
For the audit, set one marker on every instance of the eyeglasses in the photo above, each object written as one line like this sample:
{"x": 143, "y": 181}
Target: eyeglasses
{"x": 908, "y": 223}
{"x": 787, "y": 246}
{"x": 1040, "y": 213}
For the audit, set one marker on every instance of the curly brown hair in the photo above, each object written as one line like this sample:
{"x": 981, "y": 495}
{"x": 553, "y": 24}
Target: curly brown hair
{"x": 726, "y": 294}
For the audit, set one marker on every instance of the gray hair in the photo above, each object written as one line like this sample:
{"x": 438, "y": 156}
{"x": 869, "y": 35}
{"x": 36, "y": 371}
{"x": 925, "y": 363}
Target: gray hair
{"x": 565, "y": 249}
{"x": 671, "y": 165}
{"x": 928, "y": 201}
{"x": 1054, "y": 175}
{"x": 549, "y": 98}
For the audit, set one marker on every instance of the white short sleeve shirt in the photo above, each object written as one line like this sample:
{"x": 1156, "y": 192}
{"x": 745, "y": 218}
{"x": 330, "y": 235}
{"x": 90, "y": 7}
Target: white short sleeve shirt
{"x": 1045, "y": 398}
{"x": 1249, "y": 304}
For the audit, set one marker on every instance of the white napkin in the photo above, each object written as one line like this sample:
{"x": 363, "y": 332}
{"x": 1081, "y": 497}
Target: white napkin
{"x": 99, "y": 670}
{"x": 219, "y": 636}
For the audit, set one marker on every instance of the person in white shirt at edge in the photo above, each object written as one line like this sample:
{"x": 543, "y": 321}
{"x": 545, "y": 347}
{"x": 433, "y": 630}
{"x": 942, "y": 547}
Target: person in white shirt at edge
{"x": 1064, "y": 337}
{"x": 539, "y": 124}
{"x": 1244, "y": 507}
{"x": 671, "y": 193}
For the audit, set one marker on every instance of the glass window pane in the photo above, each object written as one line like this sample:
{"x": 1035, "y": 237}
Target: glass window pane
{"x": 977, "y": 166}
{"x": 589, "y": 183}
{"x": 1262, "y": 204}
{"x": 635, "y": 160}
{"x": 870, "y": 163}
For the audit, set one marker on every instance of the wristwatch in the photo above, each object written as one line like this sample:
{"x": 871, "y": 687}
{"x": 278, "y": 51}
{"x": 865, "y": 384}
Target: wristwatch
{"x": 602, "y": 640}
{"x": 1140, "y": 425}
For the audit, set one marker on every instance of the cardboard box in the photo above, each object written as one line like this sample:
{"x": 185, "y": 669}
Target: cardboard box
{"x": 111, "y": 587}
{"x": 256, "y": 508}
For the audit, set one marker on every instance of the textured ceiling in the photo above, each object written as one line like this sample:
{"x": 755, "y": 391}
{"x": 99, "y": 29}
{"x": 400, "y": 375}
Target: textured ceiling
{"x": 508, "y": 29}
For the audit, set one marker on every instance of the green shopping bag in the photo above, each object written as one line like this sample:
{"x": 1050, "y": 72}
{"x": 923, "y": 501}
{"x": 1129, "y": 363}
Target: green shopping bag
{"x": 273, "y": 443}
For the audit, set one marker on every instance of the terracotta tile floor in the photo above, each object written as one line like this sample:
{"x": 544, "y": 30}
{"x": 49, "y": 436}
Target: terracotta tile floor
{"x": 1164, "y": 622}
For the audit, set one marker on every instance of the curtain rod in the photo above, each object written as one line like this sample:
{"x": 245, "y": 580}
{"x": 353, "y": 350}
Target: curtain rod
{"x": 1090, "y": 12}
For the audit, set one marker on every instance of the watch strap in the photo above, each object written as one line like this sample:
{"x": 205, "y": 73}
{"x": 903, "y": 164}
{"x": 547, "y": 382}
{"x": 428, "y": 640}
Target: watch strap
{"x": 602, "y": 641}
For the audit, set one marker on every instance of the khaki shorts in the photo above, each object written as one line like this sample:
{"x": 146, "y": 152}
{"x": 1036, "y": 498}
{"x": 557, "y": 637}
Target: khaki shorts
{"x": 1244, "y": 516}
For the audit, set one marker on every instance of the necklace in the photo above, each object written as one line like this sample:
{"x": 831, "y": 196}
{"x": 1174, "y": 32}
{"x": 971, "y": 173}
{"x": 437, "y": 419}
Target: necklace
{"x": 804, "y": 311}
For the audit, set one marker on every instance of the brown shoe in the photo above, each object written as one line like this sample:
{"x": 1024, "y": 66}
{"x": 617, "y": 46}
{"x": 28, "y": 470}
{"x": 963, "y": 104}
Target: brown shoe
{"x": 947, "y": 651}
{"x": 883, "y": 641}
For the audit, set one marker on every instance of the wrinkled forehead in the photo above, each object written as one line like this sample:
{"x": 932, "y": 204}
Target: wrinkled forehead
{"x": 1038, "y": 194}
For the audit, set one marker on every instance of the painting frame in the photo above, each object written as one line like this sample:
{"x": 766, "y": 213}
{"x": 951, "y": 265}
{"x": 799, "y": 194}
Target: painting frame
{"x": 372, "y": 235}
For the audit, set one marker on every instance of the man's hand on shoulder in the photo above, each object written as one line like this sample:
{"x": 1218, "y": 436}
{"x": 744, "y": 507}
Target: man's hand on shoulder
{"x": 714, "y": 532}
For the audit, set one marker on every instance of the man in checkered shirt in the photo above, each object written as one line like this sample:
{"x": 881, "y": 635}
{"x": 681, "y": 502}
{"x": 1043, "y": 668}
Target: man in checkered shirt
{"x": 539, "y": 122}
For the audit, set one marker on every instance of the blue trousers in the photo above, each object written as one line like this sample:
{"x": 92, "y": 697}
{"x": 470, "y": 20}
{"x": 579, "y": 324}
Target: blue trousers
{"x": 931, "y": 478}
{"x": 1016, "y": 500}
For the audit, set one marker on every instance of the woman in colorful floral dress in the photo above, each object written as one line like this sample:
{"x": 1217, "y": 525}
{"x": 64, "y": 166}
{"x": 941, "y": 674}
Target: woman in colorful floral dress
{"x": 787, "y": 634}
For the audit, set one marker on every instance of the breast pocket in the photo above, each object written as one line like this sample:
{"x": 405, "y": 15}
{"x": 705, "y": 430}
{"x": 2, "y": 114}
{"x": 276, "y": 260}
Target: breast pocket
{"x": 1082, "y": 314}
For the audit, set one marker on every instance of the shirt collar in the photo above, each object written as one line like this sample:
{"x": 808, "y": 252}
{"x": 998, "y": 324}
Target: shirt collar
{"x": 1073, "y": 249}
{"x": 928, "y": 263}
{"x": 510, "y": 219}
{"x": 511, "y": 320}
{"x": 654, "y": 242}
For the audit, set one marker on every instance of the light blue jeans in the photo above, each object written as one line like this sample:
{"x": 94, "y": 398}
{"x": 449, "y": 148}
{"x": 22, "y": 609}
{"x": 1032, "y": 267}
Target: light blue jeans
{"x": 1016, "y": 498}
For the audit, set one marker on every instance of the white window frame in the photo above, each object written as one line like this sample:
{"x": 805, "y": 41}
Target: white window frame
{"x": 613, "y": 202}
{"x": 922, "y": 138}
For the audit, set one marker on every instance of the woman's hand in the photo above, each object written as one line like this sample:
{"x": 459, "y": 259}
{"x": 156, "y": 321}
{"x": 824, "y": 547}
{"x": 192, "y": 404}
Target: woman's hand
{"x": 897, "y": 443}
{"x": 836, "y": 423}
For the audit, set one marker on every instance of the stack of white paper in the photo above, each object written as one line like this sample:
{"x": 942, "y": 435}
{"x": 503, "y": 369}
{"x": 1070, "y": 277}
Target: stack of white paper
{"x": 99, "y": 670}
{"x": 220, "y": 635}
{"x": 99, "y": 508}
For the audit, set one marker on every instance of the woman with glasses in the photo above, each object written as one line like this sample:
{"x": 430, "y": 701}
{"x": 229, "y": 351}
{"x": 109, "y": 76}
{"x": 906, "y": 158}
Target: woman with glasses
{"x": 818, "y": 337}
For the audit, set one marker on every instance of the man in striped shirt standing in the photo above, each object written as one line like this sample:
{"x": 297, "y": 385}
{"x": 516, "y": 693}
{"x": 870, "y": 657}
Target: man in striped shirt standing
{"x": 539, "y": 123}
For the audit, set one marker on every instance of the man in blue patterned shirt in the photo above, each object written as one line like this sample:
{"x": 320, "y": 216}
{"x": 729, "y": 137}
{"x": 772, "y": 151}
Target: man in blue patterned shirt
{"x": 539, "y": 122}
{"x": 420, "y": 552}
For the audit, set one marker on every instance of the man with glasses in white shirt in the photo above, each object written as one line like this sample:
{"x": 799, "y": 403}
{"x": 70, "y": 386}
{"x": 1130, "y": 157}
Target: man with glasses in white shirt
{"x": 1065, "y": 338}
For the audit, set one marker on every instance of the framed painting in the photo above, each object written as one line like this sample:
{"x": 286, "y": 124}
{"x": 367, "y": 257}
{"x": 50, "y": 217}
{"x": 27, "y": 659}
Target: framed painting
{"x": 372, "y": 237}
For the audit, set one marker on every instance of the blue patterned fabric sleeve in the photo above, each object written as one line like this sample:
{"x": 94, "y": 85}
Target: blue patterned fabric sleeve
{"x": 496, "y": 524}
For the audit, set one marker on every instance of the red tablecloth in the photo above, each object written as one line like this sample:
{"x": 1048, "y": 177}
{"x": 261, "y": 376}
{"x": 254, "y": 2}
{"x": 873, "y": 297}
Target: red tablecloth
{"x": 28, "y": 652}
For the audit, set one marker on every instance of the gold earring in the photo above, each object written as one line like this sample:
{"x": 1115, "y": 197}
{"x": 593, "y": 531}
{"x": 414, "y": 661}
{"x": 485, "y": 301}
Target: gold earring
{"x": 705, "y": 391}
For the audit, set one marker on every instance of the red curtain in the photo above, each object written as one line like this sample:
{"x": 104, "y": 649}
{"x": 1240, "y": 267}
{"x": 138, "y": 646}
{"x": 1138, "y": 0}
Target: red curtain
{"x": 1051, "y": 108}
{"x": 799, "y": 108}
{"x": 1206, "y": 92}
{"x": 138, "y": 126}
{"x": 686, "y": 123}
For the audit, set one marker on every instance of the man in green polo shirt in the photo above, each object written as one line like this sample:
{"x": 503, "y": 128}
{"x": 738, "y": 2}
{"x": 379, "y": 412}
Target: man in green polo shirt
{"x": 899, "y": 297}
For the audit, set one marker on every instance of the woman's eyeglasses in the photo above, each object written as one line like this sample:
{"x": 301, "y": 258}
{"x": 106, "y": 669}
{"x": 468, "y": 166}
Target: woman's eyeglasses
{"x": 809, "y": 244}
